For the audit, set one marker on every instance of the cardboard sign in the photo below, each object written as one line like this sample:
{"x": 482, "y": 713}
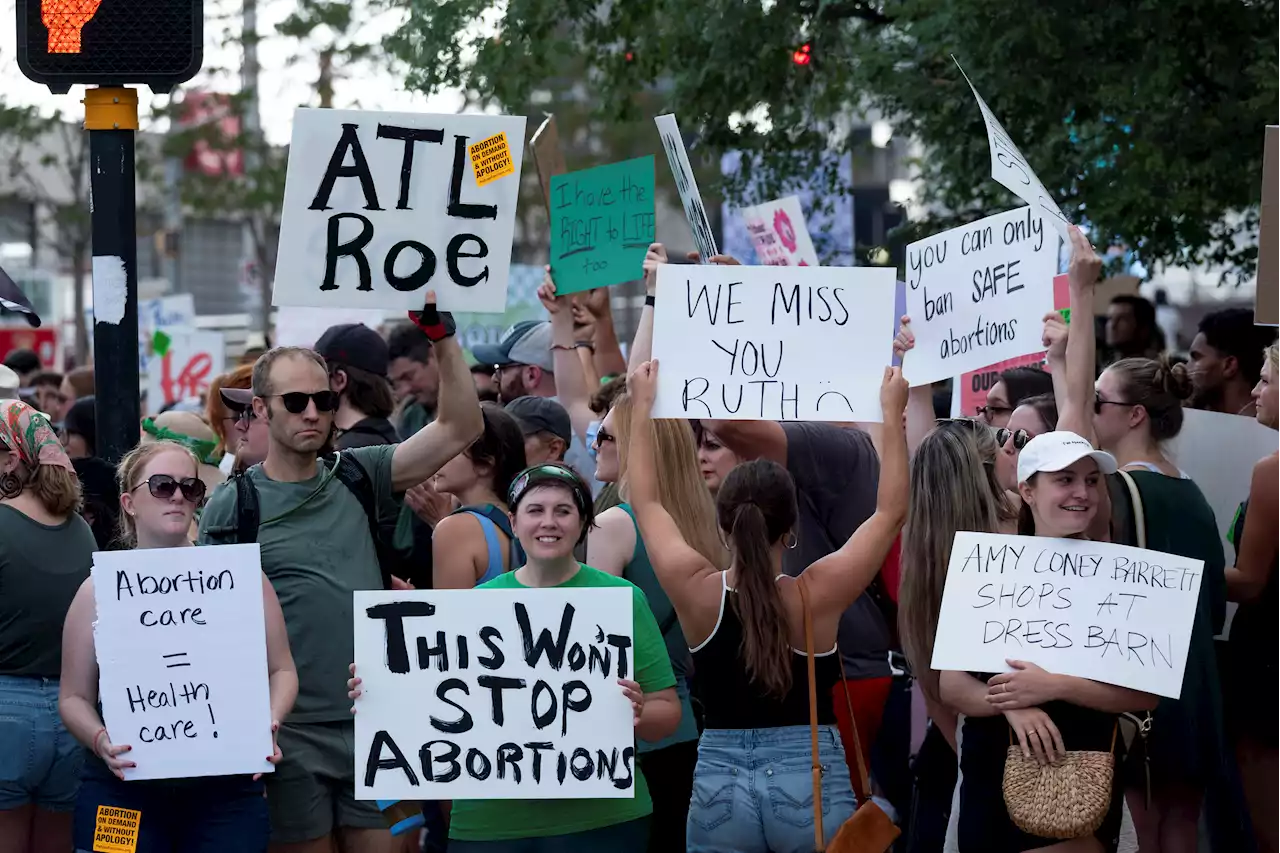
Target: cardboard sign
{"x": 381, "y": 207}
{"x": 978, "y": 294}
{"x": 547, "y": 156}
{"x": 1010, "y": 169}
{"x": 1095, "y": 610}
{"x": 189, "y": 363}
{"x": 673, "y": 143}
{"x": 779, "y": 234}
{"x": 182, "y": 659}
{"x": 494, "y": 694}
{"x": 1266, "y": 307}
{"x": 772, "y": 343}
{"x": 601, "y": 224}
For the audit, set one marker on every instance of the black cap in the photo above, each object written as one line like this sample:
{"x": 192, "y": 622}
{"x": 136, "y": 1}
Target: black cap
{"x": 236, "y": 399}
{"x": 541, "y": 414}
{"x": 354, "y": 345}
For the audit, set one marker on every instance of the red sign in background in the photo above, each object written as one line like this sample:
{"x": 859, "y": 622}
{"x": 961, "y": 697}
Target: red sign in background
{"x": 43, "y": 342}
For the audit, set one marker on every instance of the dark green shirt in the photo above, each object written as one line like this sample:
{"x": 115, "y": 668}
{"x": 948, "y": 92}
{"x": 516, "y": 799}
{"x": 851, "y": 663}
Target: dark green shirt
{"x": 41, "y": 567}
{"x": 316, "y": 551}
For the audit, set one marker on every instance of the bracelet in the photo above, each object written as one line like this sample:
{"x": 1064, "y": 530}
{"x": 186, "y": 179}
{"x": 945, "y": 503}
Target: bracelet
{"x": 564, "y": 347}
{"x": 648, "y": 299}
{"x": 586, "y": 345}
{"x": 93, "y": 744}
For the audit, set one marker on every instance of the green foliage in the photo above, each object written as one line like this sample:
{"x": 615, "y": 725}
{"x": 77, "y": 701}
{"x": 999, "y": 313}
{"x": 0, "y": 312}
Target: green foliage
{"x": 1145, "y": 118}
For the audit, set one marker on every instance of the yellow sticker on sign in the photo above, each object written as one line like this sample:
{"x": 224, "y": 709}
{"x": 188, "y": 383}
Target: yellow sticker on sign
{"x": 116, "y": 830}
{"x": 491, "y": 159}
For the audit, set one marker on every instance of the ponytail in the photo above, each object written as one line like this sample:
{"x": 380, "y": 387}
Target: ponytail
{"x": 766, "y": 648}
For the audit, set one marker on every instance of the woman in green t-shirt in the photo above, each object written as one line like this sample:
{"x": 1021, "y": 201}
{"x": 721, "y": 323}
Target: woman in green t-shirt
{"x": 551, "y": 511}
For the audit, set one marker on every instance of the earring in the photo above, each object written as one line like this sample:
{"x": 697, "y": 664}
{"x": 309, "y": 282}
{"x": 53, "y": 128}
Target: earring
{"x": 791, "y": 541}
{"x": 10, "y": 485}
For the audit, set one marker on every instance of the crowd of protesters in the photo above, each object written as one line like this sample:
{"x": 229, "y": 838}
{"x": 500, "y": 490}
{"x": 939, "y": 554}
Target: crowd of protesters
{"x": 786, "y": 581}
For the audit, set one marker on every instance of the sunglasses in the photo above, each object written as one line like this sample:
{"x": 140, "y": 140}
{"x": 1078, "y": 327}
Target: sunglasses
{"x": 162, "y": 487}
{"x": 1020, "y": 437}
{"x": 295, "y": 402}
{"x": 602, "y": 437}
{"x": 989, "y": 412}
{"x": 1098, "y": 403}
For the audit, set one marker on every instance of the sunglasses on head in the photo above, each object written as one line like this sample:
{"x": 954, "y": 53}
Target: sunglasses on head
{"x": 1020, "y": 437}
{"x": 295, "y": 402}
{"x": 162, "y": 487}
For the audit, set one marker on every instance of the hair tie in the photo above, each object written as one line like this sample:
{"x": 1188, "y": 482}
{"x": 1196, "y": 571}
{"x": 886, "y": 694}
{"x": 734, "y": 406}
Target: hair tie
{"x": 205, "y": 450}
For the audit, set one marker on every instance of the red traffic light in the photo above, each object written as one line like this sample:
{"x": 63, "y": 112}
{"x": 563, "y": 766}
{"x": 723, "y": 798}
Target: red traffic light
{"x": 802, "y": 56}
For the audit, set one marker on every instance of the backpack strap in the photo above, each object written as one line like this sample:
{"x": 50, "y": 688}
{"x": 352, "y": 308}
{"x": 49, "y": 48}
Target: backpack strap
{"x": 493, "y": 547}
{"x": 1139, "y": 517}
{"x": 353, "y": 475}
{"x": 248, "y": 512}
{"x": 503, "y": 523}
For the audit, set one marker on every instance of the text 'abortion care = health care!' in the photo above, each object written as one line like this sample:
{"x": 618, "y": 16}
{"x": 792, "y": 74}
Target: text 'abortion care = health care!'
{"x": 182, "y": 656}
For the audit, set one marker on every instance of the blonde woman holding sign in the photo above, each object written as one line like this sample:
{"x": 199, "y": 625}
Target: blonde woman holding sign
{"x": 160, "y": 489}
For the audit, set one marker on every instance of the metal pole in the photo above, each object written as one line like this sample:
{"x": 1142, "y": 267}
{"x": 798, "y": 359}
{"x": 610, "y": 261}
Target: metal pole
{"x": 111, "y": 117}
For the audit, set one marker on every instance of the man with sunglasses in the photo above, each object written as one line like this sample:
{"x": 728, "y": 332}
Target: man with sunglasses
{"x": 317, "y": 549}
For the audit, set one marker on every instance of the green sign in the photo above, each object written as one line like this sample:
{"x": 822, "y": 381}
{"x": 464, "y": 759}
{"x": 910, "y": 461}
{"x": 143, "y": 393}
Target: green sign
{"x": 601, "y": 224}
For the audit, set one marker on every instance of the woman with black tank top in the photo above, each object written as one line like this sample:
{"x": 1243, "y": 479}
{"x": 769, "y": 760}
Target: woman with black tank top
{"x": 160, "y": 490}
{"x": 753, "y": 788}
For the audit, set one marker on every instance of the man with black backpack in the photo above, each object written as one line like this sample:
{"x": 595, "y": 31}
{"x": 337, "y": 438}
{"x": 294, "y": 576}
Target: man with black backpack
{"x": 322, "y": 525}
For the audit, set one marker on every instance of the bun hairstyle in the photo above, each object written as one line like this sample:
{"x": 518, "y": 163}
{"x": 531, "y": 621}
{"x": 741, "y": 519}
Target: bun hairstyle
{"x": 1159, "y": 387}
{"x": 756, "y": 508}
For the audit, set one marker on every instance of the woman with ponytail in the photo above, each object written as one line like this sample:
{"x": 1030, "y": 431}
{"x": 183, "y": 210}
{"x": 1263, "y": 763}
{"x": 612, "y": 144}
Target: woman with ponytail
{"x": 752, "y": 788}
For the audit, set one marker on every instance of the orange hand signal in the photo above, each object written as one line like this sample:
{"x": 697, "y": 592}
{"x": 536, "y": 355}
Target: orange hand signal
{"x": 64, "y": 20}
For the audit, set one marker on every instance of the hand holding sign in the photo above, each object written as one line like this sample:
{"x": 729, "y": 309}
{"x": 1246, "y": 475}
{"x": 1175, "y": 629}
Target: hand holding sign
{"x": 893, "y": 395}
{"x": 1027, "y": 686}
{"x": 1054, "y": 336}
{"x": 904, "y": 341}
{"x": 110, "y": 753}
{"x": 1085, "y": 264}
{"x": 642, "y": 384}
{"x": 656, "y": 255}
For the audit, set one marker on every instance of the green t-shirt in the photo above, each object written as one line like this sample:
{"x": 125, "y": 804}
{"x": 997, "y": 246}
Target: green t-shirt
{"x": 494, "y": 820}
{"x": 316, "y": 551}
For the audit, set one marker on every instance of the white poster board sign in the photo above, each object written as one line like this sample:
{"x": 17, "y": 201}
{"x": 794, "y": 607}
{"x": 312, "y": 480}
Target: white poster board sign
{"x": 170, "y": 314}
{"x": 772, "y": 343}
{"x": 182, "y": 659}
{"x": 1010, "y": 169}
{"x": 494, "y": 694}
{"x": 978, "y": 294}
{"x": 687, "y": 185}
{"x": 191, "y": 361}
{"x": 1094, "y": 610}
{"x": 380, "y": 207}
{"x": 779, "y": 234}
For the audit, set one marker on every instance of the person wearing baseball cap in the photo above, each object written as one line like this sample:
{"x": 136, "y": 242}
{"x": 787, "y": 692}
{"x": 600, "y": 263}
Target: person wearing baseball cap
{"x": 357, "y": 357}
{"x": 522, "y": 361}
{"x": 548, "y": 433}
{"x": 1062, "y": 505}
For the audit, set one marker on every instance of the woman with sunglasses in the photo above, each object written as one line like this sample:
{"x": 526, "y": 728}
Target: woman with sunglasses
{"x": 1130, "y": 411}
{"x": 159, "y": 491}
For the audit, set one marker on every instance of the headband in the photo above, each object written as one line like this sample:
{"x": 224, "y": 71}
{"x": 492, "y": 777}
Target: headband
{"x": 204, "y": 449}
{"x": 540, "y": 475}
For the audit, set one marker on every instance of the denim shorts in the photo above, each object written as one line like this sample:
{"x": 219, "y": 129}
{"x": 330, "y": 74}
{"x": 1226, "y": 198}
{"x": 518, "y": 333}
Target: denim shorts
{"x": 40, "y": 761}
{"x": 753, "y": 790}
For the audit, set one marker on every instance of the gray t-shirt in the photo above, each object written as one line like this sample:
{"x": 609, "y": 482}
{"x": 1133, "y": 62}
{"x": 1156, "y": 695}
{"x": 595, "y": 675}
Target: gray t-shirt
{"x": 837, "y": 472}
{"x": 316, "y": 551}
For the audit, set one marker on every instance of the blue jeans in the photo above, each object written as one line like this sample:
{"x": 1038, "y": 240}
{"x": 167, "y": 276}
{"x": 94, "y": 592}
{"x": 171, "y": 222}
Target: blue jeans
{"x": 753, "y": 790}
{"x": 39, "y": 759}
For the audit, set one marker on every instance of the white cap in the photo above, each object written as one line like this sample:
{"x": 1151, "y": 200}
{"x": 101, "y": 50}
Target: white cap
{"x": 1053, "y": 451}
{"x": 9, "y": 383}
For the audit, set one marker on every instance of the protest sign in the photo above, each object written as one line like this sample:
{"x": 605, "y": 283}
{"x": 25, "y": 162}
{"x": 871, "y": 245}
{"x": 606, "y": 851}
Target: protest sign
{"x": 182, "y": 659}
{"x": 1011, "y": 169}
{"x": 694, "y": 211}
{"x": 183, "y": 366}
{"x": 1266, "y": 306}
{"x": 380, "y": 207}
{"x": 491, "y": 159}
{"x": 779, "y": 234}
{"x": 547, "y": 156}
{"x": 1095, "y": 610}
{"x": 978, "y": 294}
{"x": 772, "y": 343}
{"x": 601, "y": 224}
{"x": 494, "y": 694}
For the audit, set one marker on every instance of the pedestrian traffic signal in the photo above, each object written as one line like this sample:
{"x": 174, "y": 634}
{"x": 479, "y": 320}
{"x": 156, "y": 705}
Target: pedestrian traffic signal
{"x": 157, "y": 43}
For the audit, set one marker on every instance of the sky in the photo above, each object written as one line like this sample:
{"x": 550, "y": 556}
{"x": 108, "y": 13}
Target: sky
{"x": 283, "y": 87}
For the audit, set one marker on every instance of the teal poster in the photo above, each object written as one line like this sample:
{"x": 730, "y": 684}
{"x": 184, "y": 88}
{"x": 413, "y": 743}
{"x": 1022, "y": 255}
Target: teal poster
{"x": 601, "y": 224}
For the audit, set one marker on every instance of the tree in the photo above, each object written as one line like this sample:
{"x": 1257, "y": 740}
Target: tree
{"x": 1144, "y": 118}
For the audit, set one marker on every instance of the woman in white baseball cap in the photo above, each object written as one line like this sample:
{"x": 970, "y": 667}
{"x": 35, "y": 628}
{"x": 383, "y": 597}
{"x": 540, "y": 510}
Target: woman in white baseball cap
{"x": 1064, "y": 501}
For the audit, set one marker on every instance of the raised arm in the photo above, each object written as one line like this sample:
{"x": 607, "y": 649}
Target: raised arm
{"x": 1256, "y": 550}
{"x": 571, "y": 384}
{"x": 642, "y": 346}
{"x": 840, "y": 577}
{"x": 458, "y": 421}
{"x": 1075, "y": 413}
{"x": 920, "y": 415}
{"x": 606, "y": 358}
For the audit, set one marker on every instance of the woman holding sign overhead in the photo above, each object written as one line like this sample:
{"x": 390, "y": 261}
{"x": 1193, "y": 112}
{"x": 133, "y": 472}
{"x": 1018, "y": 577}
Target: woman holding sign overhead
{"x": 768, "y": 704}
{"x": 160, "y": 489}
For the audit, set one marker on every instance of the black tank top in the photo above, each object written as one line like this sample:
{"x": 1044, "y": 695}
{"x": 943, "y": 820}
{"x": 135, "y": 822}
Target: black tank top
{"x": 731, "y": 700}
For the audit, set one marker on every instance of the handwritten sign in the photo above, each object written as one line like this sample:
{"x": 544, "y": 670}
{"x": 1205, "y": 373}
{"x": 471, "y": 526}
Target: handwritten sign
{"x": 978, "y": 294}
{"x": 494, "y": 694}
{"x": 1011, "y": 170}
{"x": 601, "y": 224}
{"x": 694, "y": 211}
{"x": 1091, "y": 609}
{"x": 188, "y": 365}
{"x": 779, "y": 235}
{"x": 182, "y": 659}
{"x": 380, "y": 207}
{"x": 768, "y": 343}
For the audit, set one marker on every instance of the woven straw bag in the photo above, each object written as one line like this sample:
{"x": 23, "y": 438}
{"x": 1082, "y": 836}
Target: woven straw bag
{"x": 1067, "y": 799}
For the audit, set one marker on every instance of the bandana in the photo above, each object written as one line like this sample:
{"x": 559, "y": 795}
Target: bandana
{"x": 205, "y": 450}
{"x": 27, "y": 433}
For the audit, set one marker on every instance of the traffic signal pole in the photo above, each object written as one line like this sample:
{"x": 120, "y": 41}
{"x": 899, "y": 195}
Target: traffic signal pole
{"x": 111, "y": 117}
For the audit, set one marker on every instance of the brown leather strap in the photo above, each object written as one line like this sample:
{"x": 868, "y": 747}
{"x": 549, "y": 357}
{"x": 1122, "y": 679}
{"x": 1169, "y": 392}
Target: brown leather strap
{"x": 853, "y": 723}
{"x": 818, "y": 834}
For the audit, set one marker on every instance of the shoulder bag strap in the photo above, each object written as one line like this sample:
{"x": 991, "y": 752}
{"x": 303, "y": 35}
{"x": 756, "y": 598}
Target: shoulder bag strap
{"x": 1139, "y": 517}
{"x": 853, "y": 725}
{"x": 818, "y": 834}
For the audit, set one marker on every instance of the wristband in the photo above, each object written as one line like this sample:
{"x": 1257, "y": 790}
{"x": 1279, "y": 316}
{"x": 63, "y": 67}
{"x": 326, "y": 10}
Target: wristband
{"x": 648, "y": 299}
{"x": 94, "y": 743}
{"x": 436, "y": 325}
